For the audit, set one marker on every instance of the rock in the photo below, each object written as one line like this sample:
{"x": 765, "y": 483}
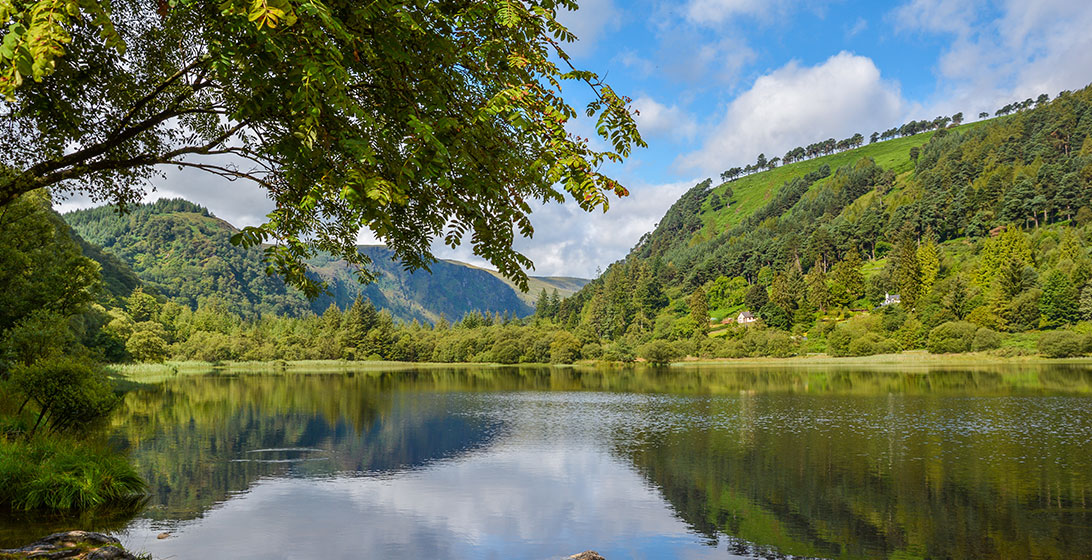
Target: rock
{"x": 71, "y": 545}
{"x": 586, "y": 555}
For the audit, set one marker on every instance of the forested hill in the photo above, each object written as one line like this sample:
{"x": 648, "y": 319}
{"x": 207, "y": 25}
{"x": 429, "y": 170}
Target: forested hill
{"x": 808, "y": 244}
{"x": 182, "y": 251}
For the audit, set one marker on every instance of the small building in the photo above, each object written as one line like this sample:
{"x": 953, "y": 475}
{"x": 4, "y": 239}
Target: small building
{"x": 727, "y": 320}
{"x": 890, "y": 299}
{"x": 745, "y": 317}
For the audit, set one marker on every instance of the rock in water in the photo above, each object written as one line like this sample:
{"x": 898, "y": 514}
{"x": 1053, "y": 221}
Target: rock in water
{"x": 72, "y": 545}
{"x": 586, "y": 555}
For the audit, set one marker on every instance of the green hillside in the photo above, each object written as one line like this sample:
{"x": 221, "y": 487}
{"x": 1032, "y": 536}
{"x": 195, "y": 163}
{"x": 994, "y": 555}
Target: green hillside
{"x": 980, "y": 229}
{"x": 753, "y": 191}
{"x": 183, "y": 252}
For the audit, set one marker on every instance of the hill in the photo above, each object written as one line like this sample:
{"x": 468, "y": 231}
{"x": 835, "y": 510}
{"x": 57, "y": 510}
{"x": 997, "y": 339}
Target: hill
{"x": 981, "y": 224}
{"x": 182, "y": 251}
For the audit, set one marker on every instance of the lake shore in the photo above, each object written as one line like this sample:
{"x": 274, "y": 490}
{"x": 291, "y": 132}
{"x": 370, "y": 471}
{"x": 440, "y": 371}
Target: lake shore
{"x": 151, "y": 372}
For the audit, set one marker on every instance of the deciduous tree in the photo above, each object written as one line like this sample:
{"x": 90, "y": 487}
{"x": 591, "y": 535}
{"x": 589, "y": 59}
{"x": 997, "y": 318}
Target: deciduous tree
{"x": 418, "y": 120}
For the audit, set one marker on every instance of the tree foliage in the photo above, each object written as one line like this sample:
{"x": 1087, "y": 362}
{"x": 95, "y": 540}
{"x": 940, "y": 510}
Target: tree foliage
{"x": 417, "y": 121}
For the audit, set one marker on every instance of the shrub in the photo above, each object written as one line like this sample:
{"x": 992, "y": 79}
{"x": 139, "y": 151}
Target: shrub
{"x": 985, "y": 339}
{"x": 619, "y": 351}
{"x": 592, "y": 351}
{"x": 1061, "y": 344}
{"x": 507, "y": 351}
{"x": 69, "y": 393}
{"x": 870, "y": 344}
{"x": 659, "y": 352}
{"x": 565, "y": 349}
{"x": 64, "y": 475}
{"x": 951, "y": 337}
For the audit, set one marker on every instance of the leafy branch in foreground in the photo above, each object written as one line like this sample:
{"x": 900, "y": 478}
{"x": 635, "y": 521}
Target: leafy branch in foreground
{"x": 418, "y": 121}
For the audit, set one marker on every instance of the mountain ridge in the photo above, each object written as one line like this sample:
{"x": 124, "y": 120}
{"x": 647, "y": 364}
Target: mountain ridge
{"x": 182, "y": 251}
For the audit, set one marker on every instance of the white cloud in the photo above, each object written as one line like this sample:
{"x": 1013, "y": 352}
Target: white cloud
{"x": 858, "y": 27}
{"x": 1022, "y": 50}
{"x": 589, "y": 23}
{"x": 710, "y": 12}
{"x": 718, "y": 61}
{"x": 240, "y": 203}
{"x": 571, "y": 242}
{"x": 631, "y": 59}
{"x": 949, "y": 16}
{"x": 655, "y": 119}
{"x": 796, "y": 105}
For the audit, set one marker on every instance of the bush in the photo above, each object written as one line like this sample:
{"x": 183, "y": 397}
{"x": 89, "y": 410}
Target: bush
{"x": 64, "y": 475}
{"x": 952, "y": 337}
{"x": 565, "y": 349}
{"x": 619, "y": 351}
{"x": 69, "y": 393}
{"x": 1061, "y": 344}
{"x": 592, "y": 351}
{"x": 871, "y": 344}
{"x": 985, "y": 339}
{"x": 659, "y": 352}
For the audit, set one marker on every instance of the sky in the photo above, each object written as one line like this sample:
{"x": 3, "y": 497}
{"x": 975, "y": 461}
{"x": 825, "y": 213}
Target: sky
{"x": 716, "y": 82}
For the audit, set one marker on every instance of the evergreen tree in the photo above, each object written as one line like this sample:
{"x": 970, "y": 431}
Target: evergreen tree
{"x": 818, "y": 292}
{"x": 929, "y": 262}
{"x": 907, "y": 272}
{"x": 357, "y": 321}
{"x": 1085, "y": 308}
{"x": 542, "y": 305}
{"x": 756, "y": 298}
{"x": 699, "y": 310}
{"x": 1059, "y": 303}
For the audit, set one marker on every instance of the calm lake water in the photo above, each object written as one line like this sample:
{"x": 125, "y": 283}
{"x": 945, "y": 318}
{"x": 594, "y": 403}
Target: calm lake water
{"x": 695, "y": 462}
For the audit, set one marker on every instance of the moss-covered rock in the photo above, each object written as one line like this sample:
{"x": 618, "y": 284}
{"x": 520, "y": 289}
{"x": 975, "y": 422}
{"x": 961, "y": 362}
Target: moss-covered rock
{"x": 72, "y": 545}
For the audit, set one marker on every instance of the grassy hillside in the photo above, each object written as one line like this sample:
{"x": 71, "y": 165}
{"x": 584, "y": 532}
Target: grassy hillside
{"x": 980, "y": 226}
{"x": 753, "y": 191}
{"x": 564, "y": 285}
{"x": 180, "y": 250}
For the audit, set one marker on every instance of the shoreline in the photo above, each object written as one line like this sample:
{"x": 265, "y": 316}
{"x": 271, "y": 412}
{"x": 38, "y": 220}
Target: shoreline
{"x": 912, "y": 359}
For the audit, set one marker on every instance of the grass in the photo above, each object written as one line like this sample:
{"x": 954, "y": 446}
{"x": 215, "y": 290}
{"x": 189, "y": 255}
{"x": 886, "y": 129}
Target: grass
{"x": 62, "y": 474}
{"x": 154, "y": 373}
{"x": 753, "y": 191}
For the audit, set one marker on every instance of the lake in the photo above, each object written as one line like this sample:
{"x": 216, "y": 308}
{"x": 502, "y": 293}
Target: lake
{"x": 687, "y": 462}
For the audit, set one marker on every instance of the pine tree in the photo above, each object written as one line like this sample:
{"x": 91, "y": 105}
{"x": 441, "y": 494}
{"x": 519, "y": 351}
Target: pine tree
{"x": 356, "y": 322}
{"x": 542, "y": 305}
{"x": 907, "y": 271}
{"x": 756, "y": 298}
{"x": 929, "y": 262}
{"x": 699, "y": 310}
{"x": 1085, "y": 308}
{"x": 818, "y": 292}
{"x": 1058, "y": 305}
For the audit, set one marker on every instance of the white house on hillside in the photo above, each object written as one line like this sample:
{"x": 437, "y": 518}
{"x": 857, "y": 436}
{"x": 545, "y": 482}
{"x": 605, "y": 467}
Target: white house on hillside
{"x": 745, "y": 317}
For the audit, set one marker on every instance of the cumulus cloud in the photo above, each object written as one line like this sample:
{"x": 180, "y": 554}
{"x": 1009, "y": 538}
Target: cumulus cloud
{"x": 1018, "y": 51}
{"x": 950, "y": 16}
{"x": 796, "y": 105}
{"x": 590, "y": 23}
{"x": 571, "y": 242}
{"x": 654, "y": 119}
{"x": 240, "y": 203}
{"x": 711, "y": 12}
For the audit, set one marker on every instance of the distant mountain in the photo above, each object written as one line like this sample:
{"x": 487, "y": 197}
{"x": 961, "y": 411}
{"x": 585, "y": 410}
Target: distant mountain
{"x": 179, "y": 249}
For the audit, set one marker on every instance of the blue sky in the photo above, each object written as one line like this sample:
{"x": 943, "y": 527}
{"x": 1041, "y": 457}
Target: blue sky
{"x": 719, "y": 81}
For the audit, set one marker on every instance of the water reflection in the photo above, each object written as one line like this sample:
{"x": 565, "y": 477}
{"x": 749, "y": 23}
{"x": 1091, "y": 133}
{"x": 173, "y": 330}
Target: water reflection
{"x": 638, "y": 463}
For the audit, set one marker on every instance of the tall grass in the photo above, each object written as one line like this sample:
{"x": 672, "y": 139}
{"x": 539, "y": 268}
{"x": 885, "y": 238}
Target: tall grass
{"x": 65, "y": 474}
